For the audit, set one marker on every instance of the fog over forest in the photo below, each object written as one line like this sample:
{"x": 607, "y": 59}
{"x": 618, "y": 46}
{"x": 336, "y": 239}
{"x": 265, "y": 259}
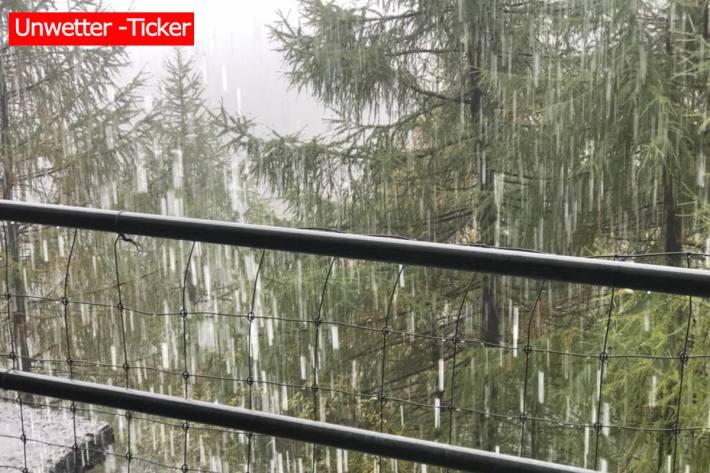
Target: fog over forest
{"x": 240, "y": 66}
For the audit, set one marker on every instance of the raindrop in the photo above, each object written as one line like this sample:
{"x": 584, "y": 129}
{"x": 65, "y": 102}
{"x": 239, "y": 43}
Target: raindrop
{"x": 516, "y": 316}
{"x": 437, "y": 413}
{"x": 164, "y": 355}
{"x": 335, "y": 340}
{"x": 60, "y": 244}
{"x": 114, "y": 358}
{"x": 339, "y": 460}
{"x": 284, "y": 398}
{"x": 652, "y": 393}
{"x": 646, "y": 322}
{"x": 269, "y": 332}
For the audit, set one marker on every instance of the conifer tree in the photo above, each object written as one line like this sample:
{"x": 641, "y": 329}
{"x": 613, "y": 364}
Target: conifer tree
{"x": 573, "y": 127}
{"x": 66, "y": 129}
{"x": 185, "y": 157}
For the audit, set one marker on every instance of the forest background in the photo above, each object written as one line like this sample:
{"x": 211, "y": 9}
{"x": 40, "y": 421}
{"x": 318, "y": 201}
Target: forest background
{"x": 575, "y": 127}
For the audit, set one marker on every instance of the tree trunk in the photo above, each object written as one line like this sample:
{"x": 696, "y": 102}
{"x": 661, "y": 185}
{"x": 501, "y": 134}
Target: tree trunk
{"x": 672, "y": 222}
{"x": 487, "y": 213}
{"x": 486, "y": 221}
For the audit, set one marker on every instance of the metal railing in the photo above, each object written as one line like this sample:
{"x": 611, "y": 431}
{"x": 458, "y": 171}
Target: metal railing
{"x": 616, "y": 274}
{"x": 681, "y": 281}
{"x": 366, "y": 441}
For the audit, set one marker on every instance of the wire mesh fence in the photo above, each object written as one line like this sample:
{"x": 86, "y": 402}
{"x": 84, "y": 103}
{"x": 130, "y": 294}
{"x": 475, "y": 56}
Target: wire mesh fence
{"x": 603, "y": 378}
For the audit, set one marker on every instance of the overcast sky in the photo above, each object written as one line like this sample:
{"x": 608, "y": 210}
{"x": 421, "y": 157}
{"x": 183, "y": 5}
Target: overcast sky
{"x": 239, "y": 63}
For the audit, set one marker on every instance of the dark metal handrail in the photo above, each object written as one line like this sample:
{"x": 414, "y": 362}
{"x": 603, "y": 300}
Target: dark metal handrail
{"x": 338, "y": 436}
{"x": 691, "y": 282}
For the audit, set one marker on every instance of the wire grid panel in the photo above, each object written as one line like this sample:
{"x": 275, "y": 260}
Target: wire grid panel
{"x": 404, "y": 350}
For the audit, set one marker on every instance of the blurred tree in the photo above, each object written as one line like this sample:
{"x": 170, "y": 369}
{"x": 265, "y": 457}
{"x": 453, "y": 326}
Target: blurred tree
{"x": 186, "y": 158}
{"x": 66, "y": 128}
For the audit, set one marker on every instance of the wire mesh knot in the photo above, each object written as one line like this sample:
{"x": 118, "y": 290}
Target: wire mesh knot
{"x": 675, "y": 430}
{"x": 251, "y": 316}
{"x": 385, "y": 331}
{"x": 183, "y": 312}
{"x": 119, "y": 306}
{"x": 523, "y": 418}
{"x": 314, "y": 388}
{"x": 684, "y": 358}
{"x": 129, "y": 416}
{"x": 133, "y": 242}
{"x": 381, "y": 396}
{"x": 317, "y": 321}
{"x": 184, "y": 468}
{"x": 185, "y": 426}
{"x": 23, "y": 438}
{"x": 455, "y": 340}
{"x": 597, "y": 427}
{"x": 451, "y": 407}
{"x": 527, "y": 349}
{"x": 128, "y": 456}
{"x": 25, "y": 470}
{"x": 7, "y": 296}
{"x": 72, "y": 408}
{"x": 12, "y": 355}
{"x": 75, "y": 448}
{"x": 185, "y": 375}
{"x": 69, "y": 361}
{"x": 125, "y": 367}
{"x": 64, "y": 301}
{"x": 603, "y": 357}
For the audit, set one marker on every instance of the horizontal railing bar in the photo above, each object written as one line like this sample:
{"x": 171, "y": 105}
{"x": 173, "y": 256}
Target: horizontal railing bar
{"x": 322, "y": 433}
{"x": 672, "y": 280}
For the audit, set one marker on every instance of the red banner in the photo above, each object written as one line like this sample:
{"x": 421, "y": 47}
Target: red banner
{"x": 101, "y": 29}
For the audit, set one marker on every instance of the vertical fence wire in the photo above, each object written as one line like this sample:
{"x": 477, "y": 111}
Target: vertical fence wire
{"x": 8, "y": 300}
{"x": 121, "y": 312}
{"x": 528, "y": 350}
{"x": 683, "y": 360}
{"x": 315, "y": 387}
{"x": 456, "y": 340}
{"x": 13, "y": 344}
{"x": 251, "y": 316}
{"x": 70, "y": 362}
{"x": 385, "y": 334}
{"x": 603, "y": 360}
{"x": 185, "y": 371}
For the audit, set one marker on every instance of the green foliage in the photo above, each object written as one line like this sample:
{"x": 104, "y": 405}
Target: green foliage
{"x": 577, "y": 127}
{"x": 185, "y": 155}
{"x": 571, "y": 127}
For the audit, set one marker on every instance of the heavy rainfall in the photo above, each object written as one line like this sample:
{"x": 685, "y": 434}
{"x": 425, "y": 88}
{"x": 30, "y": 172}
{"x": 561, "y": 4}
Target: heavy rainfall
{"x": 574, "y": 127}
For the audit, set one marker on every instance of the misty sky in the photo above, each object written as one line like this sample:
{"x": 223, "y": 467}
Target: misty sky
{"x": 233, "y": 51}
